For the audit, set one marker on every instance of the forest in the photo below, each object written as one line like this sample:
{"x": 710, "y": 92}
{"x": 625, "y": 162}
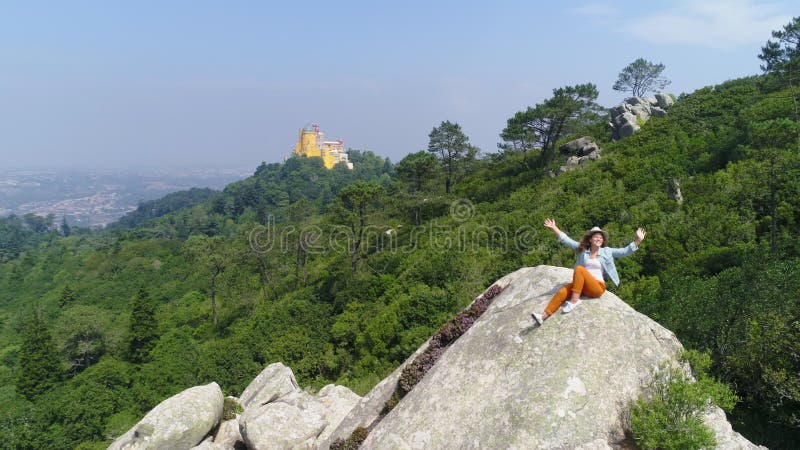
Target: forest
{"x": 341, "y": 274}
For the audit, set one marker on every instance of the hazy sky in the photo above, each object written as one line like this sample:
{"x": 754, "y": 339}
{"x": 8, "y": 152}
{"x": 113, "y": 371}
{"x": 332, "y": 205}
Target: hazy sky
{"x": 228, "y": 83}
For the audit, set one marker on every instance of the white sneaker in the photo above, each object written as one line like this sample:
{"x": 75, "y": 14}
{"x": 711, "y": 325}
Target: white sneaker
{"x": 537, "y": 317}
{"x": 569, "y": 306}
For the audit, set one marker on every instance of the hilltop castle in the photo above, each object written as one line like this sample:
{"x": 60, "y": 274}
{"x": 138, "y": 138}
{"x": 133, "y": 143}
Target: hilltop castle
{"x": 312, "y": 143}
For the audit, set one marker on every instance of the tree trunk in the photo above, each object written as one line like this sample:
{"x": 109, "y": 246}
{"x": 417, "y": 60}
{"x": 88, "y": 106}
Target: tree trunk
{"x": 297, "y": 262}
{"x": 214, "y": 299}
{"x": 262, "y": 270}
{"x": 773, "y": 209}
{"x": 354, "y": 256}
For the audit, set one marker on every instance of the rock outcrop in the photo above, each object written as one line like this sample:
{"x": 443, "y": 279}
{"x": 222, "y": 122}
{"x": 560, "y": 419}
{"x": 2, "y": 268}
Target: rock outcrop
{"x": 181, "y": 421}
{"x": 627, "y": 117}
{"x": 277, "y": 414}
{"x": 581, "y": 150}
{"x": 509, "y": 384}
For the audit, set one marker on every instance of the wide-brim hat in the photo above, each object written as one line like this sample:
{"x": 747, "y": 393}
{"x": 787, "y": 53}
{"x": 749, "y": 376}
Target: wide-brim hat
{"x": 599, "y": 230}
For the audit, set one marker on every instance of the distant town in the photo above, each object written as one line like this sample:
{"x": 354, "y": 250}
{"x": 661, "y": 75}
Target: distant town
{"x": 97, "y": 198}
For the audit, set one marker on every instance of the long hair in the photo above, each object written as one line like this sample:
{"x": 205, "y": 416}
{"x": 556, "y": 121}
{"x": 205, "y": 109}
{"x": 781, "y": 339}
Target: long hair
{"x": 586, "y": 245}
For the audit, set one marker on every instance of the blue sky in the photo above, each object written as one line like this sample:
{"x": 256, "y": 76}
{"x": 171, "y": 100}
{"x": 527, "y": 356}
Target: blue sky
{"x": 185, "y": 84}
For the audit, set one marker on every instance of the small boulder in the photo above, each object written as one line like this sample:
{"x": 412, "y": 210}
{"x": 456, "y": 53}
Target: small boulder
{"x": 576, "y": 145}
{"x": 627, "y": 125}
{"x": 179, "y": 422}
{"x": 281, "y": 425}
{"x": 210, "y": 445}
{"x": 337, "y": 402}
{"x": 636, "y": 101}
{"x": 276, "y": 380}
{"x": 657, "y": 111}
{"x": 664, "y": 100}
{"x": 228, "y": 434}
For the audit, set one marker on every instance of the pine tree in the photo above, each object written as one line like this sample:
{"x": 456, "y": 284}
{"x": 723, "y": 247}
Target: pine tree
{"x": 39, "y": 366}
{"x": 65, "y": 229}
{"x": 143, "y": 332}
{"x": 67, "y": 297}
{"x": 641, "y": 77}
{"x": 453, "y": 149}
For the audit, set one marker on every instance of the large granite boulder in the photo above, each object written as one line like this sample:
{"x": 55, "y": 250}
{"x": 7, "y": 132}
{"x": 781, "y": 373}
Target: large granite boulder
{"x": 509, "y": 384}
{"x": 179, "y": 422}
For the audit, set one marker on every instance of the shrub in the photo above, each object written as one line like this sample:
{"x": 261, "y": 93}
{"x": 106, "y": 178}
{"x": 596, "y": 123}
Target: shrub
{"x": 446, "y": 335}
{"x": 414, "y": 372}
{"x": 353, "y": 442}
{"x": 671, "y": 418}
{"x": 230, "y": 407}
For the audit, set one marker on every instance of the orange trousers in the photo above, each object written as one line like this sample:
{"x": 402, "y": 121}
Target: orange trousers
{"x": 582, "y": 283}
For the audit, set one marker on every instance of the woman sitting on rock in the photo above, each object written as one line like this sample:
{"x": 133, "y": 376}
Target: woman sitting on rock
{"x": 595, "y": 261}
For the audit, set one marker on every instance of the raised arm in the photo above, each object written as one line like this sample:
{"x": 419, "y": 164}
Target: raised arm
{"x": 630, "y": 248}
{"x": 562, "y": 237}
{"x": 551, "y": 223}
{"x": 640, "y": 234}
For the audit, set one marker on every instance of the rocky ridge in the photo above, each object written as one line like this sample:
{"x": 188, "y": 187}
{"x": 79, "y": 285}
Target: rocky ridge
{"x": 275, "y": 414}
{"x": 505, "y": 383}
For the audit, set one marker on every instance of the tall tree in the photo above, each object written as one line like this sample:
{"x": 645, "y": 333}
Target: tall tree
{"x": 210, "y": 254}
{"x": 452, "y": 147}
{"x": 641, "y": 77}
{"x": 778, "y": 54}
{"x": 39, "y": 365}
{"x": 143, "y": 327}
{"x": 65, "y": 229}
{"x": 519, "y": 136}
{"x": 774, "y": 139}
{"x": 542, "y": 125}
{"x": 782, "y": 57}
{"x": 416, "y": 169}
{"x": 353, "y": 208}
{"x": 297, "y": 213}
{"x": 263, "y": 245}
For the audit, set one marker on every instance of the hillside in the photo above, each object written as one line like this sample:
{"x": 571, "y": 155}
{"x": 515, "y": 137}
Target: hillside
{"x": 341, "y": 275}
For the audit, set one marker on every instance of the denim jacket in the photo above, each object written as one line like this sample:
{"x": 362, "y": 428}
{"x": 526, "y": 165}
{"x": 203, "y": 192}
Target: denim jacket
{"x": 606, "y": 255}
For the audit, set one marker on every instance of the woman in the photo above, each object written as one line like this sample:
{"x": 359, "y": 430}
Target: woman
{"x": 595, "y": 262}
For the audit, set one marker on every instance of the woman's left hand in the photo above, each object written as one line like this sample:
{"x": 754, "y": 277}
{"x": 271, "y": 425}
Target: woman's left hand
{"x": 640, "y": 234}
